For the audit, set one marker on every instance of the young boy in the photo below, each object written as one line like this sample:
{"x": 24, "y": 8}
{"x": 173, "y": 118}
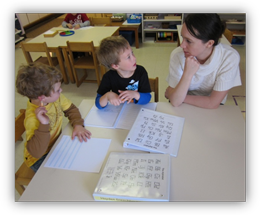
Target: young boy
{"x": 43, "y": 119}
{"x": 125, "y": 81}
{"x": 75, "y": 20}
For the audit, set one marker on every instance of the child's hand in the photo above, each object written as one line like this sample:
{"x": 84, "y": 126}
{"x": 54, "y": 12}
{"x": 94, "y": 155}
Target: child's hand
{"x": 41, "y": 115}
{"x": 81, "y": 132}
{"x": 77, "y": 26}
{"x": 69, "y": 26}
{"x": 128, "y": 95}
{"x": 113, "y": 98}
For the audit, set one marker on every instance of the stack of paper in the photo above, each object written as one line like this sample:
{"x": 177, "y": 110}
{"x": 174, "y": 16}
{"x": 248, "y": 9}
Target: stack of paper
{"x": 134, "y": 177}
{"x": 155, "y": 132}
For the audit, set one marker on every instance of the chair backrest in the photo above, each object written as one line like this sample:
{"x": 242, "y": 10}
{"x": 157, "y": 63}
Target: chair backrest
{"x": 154, "y": 84}
{"x": 87, "y": 47}
{"x": 229, "y": 35}
{"x": 100, "y": 21}
{"x": 35, "y": 47}
{"x": 80, "y": 46}
{"x": 19, "y": 125}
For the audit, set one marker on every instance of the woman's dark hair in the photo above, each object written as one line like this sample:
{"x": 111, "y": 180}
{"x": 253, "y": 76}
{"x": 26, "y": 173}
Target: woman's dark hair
{"x": 205, "y": 26}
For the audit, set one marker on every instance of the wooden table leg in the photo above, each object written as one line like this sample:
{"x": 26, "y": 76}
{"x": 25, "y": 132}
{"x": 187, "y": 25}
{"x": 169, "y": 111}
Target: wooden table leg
{"x": 136, "y": 38}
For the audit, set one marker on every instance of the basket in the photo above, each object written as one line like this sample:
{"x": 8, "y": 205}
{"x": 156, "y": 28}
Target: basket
{"x": 117, "y": 19}
{"x": 134, "y": 18}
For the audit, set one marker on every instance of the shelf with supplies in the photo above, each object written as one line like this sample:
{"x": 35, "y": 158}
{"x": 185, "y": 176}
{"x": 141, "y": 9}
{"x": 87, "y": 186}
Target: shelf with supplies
{"x": 160, "y": 27}
{"x": 164, "y": 37}
{"x": 19, "y": 32}
{"x": 236, "y": 23}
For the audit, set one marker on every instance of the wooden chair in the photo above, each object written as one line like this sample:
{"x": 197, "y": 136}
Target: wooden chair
{"x": 24, "y": 174}
{"x": 229, "y": 35}
{"x": 89, "y": 61}
{"x": 100, "y": 21}
{"x": 154, "y": 83}
{"x": 38, "y": 47}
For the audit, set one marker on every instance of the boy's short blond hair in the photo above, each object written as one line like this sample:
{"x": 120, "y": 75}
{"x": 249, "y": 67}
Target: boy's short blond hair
{"x": 110, "y": 49}
{"x": 37, "y": 79}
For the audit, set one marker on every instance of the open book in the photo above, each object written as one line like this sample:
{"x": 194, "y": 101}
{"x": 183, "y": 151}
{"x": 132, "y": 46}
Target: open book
{"x": 122, "y": 116}
{"x": 155, "y": 132}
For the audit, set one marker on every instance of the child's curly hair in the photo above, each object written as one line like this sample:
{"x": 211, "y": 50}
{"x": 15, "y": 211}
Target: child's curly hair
{"x": 37, "y": 79}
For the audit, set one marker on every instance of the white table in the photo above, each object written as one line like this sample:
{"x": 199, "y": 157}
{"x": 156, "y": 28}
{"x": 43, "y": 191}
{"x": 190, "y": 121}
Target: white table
{"x": 210, "y": 165}
{"x": 223, "y": 39}
{"x": 86, "y": 34}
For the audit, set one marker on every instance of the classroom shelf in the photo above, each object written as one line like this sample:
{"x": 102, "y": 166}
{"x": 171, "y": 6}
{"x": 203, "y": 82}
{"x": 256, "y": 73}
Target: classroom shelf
{"x": 152, "y": 25}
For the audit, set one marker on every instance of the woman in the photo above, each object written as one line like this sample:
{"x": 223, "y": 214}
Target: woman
{"x": 202, "y": 70}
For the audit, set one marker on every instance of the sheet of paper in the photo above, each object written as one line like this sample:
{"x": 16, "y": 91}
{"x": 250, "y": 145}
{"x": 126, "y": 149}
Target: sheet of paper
{"x": 74, "y": 155}
{"x": 130, "y": 112}
{"x": 156, "y": 132}
{"x": 122, "y": 116}
{"x": 106, "y": 117}
{"x": 49, "y": 32}
{"x": 85, "y": 28}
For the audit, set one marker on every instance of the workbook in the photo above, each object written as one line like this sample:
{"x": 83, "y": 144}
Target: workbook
{"x": 122, "y": 116}
{"x": 154, "y": 131}
{"x": 134, "y": 177}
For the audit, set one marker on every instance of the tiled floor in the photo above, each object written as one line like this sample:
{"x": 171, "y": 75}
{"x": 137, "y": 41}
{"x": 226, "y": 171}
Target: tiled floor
{"x": 155, "y": 58}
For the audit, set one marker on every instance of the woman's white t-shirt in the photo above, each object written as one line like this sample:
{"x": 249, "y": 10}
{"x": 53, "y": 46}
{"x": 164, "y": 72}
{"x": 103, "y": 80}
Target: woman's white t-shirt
{"x": 220, "y": 72}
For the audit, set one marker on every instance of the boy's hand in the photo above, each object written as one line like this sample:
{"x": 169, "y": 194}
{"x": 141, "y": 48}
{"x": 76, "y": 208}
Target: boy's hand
{"x": 128, "y": 95}
{"x": 69, "y": 26}
{"x": 81, "y": 132}
{"x": 41, "y": 115}
{"x": 77, "y": 26}
{"x": 113, "y": 98}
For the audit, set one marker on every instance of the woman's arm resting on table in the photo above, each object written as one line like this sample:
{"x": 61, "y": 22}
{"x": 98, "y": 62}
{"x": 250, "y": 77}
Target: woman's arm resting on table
{"x": 209, "y": 102}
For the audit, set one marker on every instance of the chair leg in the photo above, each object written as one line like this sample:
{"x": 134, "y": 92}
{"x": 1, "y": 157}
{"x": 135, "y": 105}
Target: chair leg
{"x": 20, "y": 188}
{"x": 79, "y": 82}
{"x": 75, "y": 75}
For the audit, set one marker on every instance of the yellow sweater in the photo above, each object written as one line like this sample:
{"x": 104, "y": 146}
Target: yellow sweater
{"x": 40, "y": 138}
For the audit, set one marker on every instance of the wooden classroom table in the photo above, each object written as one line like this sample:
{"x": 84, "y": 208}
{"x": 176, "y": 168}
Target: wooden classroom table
{"x": 210, "y": 165}
{"x": 124, "y": 26}
{"x": 223, "y": 39}
{"x": 58, "y": 45}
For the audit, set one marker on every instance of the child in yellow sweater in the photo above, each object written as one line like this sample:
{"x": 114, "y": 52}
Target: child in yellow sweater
{"x": 43, "y": 119}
